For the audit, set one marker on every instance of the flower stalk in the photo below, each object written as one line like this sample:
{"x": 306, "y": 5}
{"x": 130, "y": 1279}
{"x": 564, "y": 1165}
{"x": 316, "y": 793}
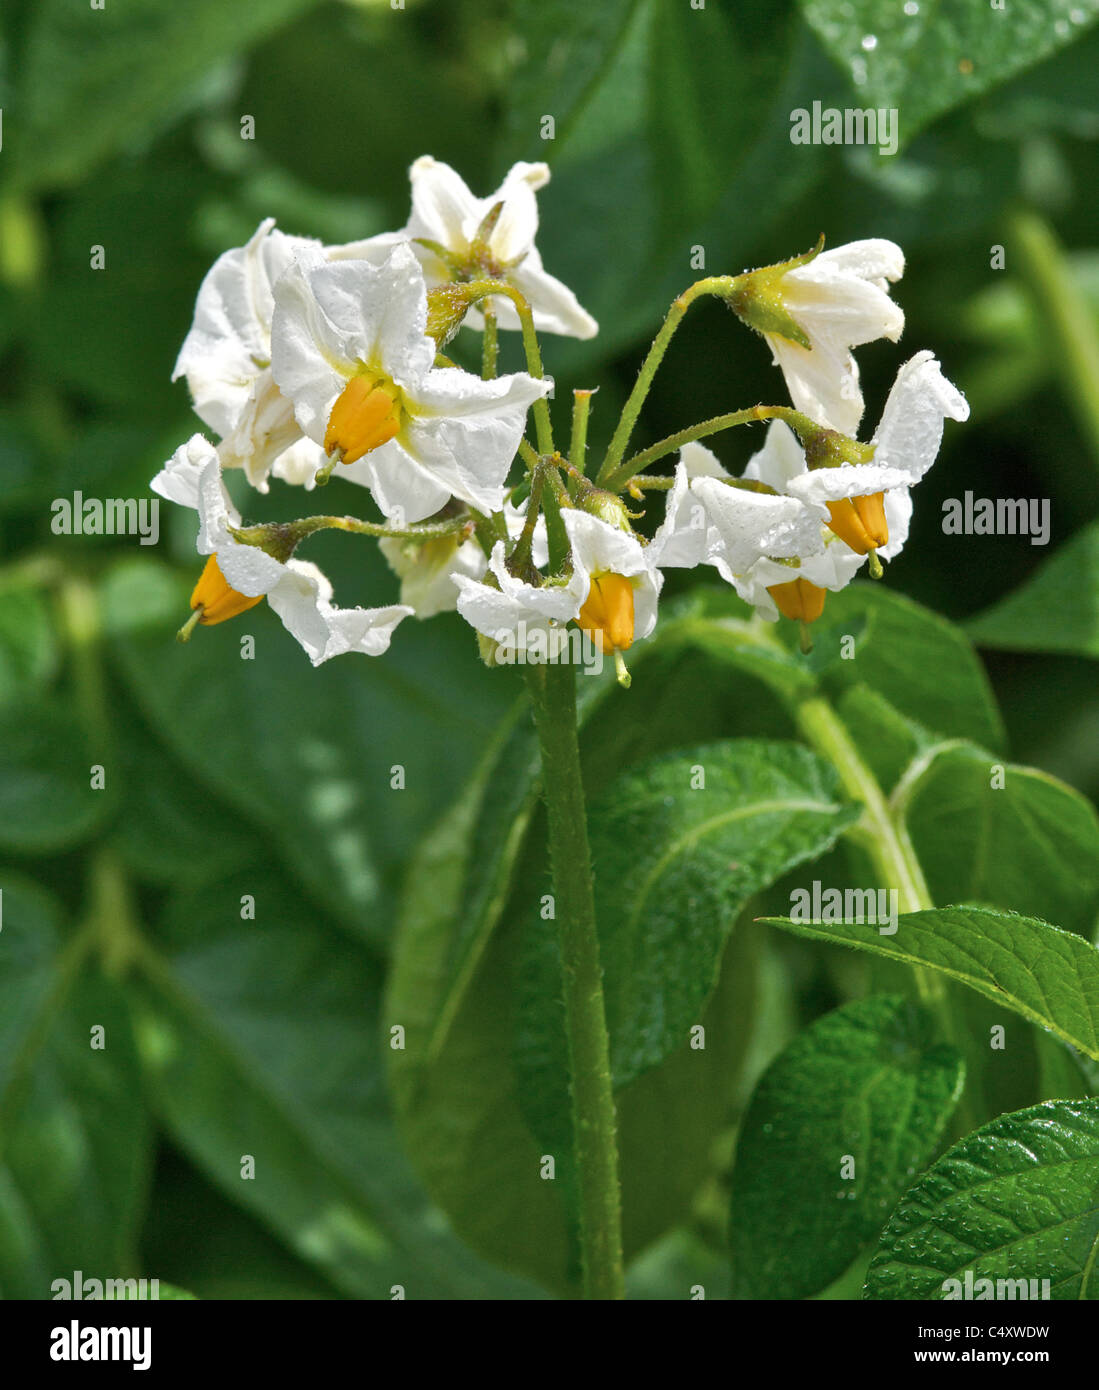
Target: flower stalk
{"x": 553, "y": 697}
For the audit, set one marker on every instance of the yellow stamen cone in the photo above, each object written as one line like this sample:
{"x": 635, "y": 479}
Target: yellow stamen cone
{"x": 365, "y": 416}
{"x": 800, "y": 600}
{"x": 214, "y": 600}
{"x": 860, "y": 521}
{"x": 607, "y": 614}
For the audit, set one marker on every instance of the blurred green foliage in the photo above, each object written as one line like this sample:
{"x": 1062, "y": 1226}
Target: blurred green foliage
{"x": 229, "y": 779}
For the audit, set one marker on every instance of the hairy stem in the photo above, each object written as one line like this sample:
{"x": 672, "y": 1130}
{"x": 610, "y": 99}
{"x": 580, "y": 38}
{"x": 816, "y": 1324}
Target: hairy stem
{"x": 620, "y": 476}
{"x": 553, "y": 695}
{"x": 715, "y": 284}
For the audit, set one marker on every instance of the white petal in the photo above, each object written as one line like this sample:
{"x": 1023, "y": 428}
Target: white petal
{"x": 333, "y": 318}
{"x": 554, "y": 306}
{"x": 701, "y": 462}
{"x": 841, "y": 310}
{"x": 849, "y": 480}
{"x": 308, "y": 352}
{"x": 365, "y": 630}
{"x": 229, "y": 342}
{"x": 833, "y": 568}
{"x": 465, "y": 432}
{"x": 178, "y": 480}
{"x": 297, "y": 599}
{"x": 600, "y": 548}
{"x": 443, "y": 208}
{"x": 405, "y": 489}
{"x": 752, "y": 524}
{"x": 216, "y": 513}
{"x": 682, "y": 539}
{"x": 376, "y": 249}
{"x": 779, "y": 461}
{"x": 874, "y": 259}
{"x": 298, "y": 464}
{"x": 428, "y": 571}
{"x": 898, "y": 516}
{"x": 514, "y": 233}
{"x": 911, "y": 428}
{"x": 823, "y": 383}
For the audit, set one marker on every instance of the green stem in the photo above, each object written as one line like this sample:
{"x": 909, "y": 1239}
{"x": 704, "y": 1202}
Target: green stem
{"x": 293, "y": 532}
{"x": 719, "y": 285}
{"x": 884, "y": 839}
{"x": 619, "y": 477}
{"x": 490, "y": 352}
{"x": 553, "y": 696}
{"x": 482, "y": 289}
{"x": 578, "y": 441}
{"x": 1064, "y": 315}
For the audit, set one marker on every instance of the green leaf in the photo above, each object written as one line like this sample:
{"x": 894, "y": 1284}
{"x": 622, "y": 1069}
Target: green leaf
{"x": 866, "y": 1085}
{"x": 169, "y": 829}
{"x": 1015, "y": 1200}
{"x": 91, "y": 80}
{"x": 715, "y": 621}
{"x": 457, "y": 971}
{"x": 925, "y": 59}
{"x": 306, "y": 754}
{"x": 1048, "y": 975}
{"x": 263, "y": 1038}
{"x": 1030, "y": 845}
{"x": 47, "y": 802}
{"x": 75, "y": 1145}
{"x": 674, "y": 865}
{"x": 454, "y": 1087}
{"x": 28, "y": 643}
{"x": 1056, "y": 610}
{"x": 921, "y": 663}
{"x": 675, "y": 862}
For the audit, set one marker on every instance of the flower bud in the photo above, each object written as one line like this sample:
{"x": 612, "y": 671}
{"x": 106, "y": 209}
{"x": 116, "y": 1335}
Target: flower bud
{"x": 607, "y": 506}
{"x": 757, "y": 298}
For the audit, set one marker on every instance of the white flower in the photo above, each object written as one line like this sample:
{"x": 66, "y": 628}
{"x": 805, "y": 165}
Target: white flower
{"x": 758, "y": 531}
{"x": 446, "y": 212}
{"x": 686, "y": 536}
{"x": 237, "y": 576}
{"x": 226, "y": 358}
{"x": 349, "y": 348}
{"x": 839, "y": 299}
{"x": 612, "y": 593}
{"x": 748, "y": 525}
{"x": 906, "y": 442}
{"x": 428, "y": 569}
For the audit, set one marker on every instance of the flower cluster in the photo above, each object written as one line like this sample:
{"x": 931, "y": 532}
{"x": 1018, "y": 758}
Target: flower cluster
{"x": 309, "y": 362}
